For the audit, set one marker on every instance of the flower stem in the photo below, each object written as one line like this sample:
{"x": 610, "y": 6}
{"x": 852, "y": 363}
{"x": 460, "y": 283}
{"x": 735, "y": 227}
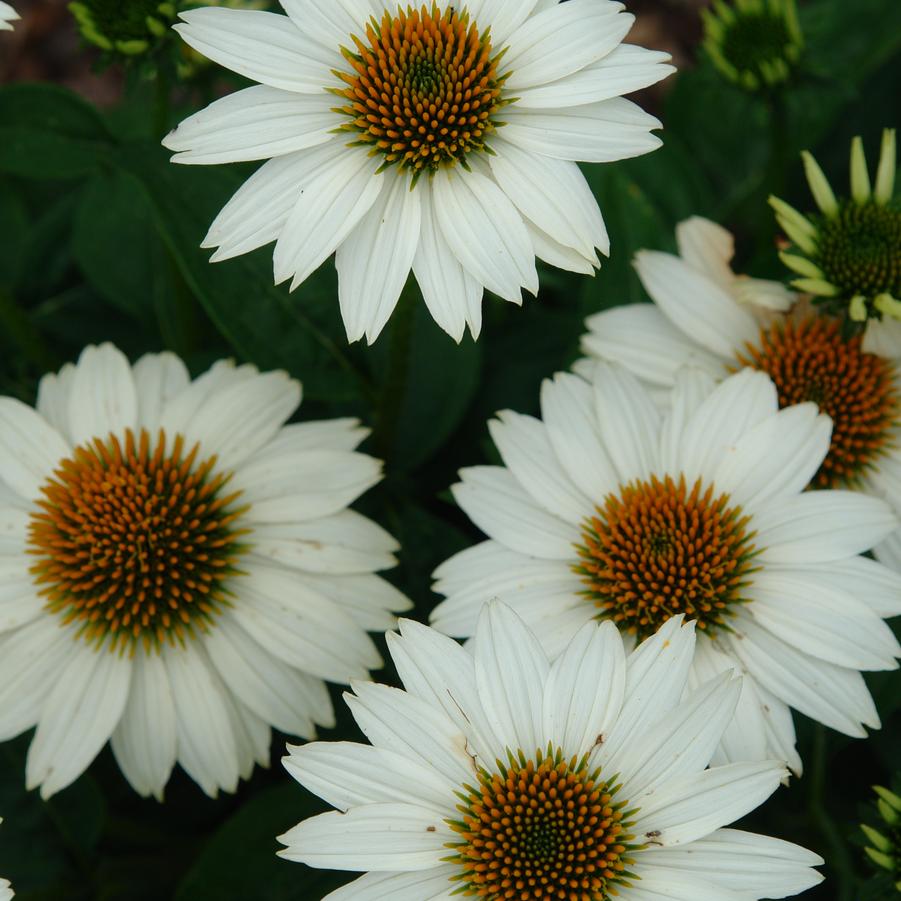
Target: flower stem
{"x": 838, "y": 854}
{"x": 394, "y": 387}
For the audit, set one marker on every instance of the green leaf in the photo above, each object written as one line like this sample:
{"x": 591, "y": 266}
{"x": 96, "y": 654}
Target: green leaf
{"x": 13, "y": 225}
{"x": 432, "y": 387}
{"x": 239, "y": 862}
{"x": 48, "y": 132}
{"x": 635, "y": 219}
{"x": 263, "y": 323}
{"x": 115, "y": 243}
{"x": 44, "y": 844}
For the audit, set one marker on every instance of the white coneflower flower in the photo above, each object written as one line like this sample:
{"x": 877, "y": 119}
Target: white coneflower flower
{"x": 7, "y": 16}
{"x": 180, "y": 569}
{"x": 608, "y": 509}
{"x": 507, "y": 776}
{"x": 383, "y": 121}
{"x": 701, "y": 316}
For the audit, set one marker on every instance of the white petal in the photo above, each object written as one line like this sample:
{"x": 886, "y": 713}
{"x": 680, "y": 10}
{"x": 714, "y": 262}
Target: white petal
{"x": 430, "y": 885}
{"x": 30, "y": 448}
{"x": 323, "y": 434}
{"x": 144, "y": 741}
{"x": 302, "y": 627}
{"x": 437, "y": 670}
{"x": 562, "y": 40}
{"x": 343, "y": 543}
{"x": 180, "y": 411}
{"x": 628, "y": 422}
{"x": 696, "y": 304}
{"x": 526, "y": 449}
{"x": 690, "y": 808}
{"x": 383, "y": 837}
{"x": 267, "y": 685}
{"x": 741, "y": 862}
{"x": 346, "y": 774}
{"x": 567, "y": 407}
{"x": 641, "y": 338}
{"x": 692, "y": 387}
{"x": 207, "y": 748}
{"x": 734, "y": 407}
{"x": 304, "y": 485}
{"x": 401, "y": 722}
{"x": 330, "y": 24}
{"x": 453, "y": 296}
{"x": 656, "y": 673}
{"x": 254, "y": 124}
{"x": 511, "y": 670}
{"x": 78, "y": 716}
{"x": 157, "y": 378}
{"x": 497, "y": 504}
{"x": 604, "y": 132}
{"x": 870, "y": 582}
{"x": 883, "y": 338}
{"x": 19, "y": 600}
{"x": 776, "y": 458}
{"x": 333, "y": 190}
{"x": 240, "y": 419}
{"x": 744, "y": 738}
{"x": 374, "y": 261}
{"x": 261, "y": 46}
{"x": 584, "y": 691}
{"x": 652, "y": 885}
{"x": 485, "y": 232}
{"x": 821, "y": 526}
{"x": 832, "y": 695}
{"x": 682, "y": 743}
{"x": 103, "y": 397}
{"x": 259, "y": 209}
{"x": 553, "y": 194}
{"x": 502, "y": 16}
{"x": 31, "y": 660}
{"x": 826, "y": 622}
{"x": 369, "y": 600}
{"x": 559, "y": 255}
{"x": 707, "y": 247}
{"x": 53, "y": 398}
{"x": 627, "y": 68}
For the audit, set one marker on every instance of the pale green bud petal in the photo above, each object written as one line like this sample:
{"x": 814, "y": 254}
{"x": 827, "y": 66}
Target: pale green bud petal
{"x": 889, "y": 814}
{"x": 888, "y": 306}
{"x": 885, "y": 176}
{"x": 860, "y": 177}
{"x": 880, "y": 859}
{"x": 819, "y": 185}
{"x": 877, "y": 839}
{"x": 801, "y": 265}
{"x": 888, "y": 796}
{"x": 857, "y": 309}
{"x": 816, "y": 286}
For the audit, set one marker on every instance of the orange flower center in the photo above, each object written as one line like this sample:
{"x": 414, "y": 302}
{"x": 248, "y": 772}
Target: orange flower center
{"x": 424, "y": 89}
{"x": 541, "y": 829}
{"x": 658, "y": 549}
{"x": 134, "y": 542}
{"x": 809, "y": 360}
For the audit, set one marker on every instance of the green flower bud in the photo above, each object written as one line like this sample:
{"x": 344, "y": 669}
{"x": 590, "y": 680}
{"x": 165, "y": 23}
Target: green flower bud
{"x": 128, "y": 29}
{"x": 849, "y": 252}
{"x": 754, "y": 43}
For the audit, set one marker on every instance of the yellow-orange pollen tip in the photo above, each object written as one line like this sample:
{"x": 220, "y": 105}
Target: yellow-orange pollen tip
{"x": 542, "y": 828}
{"x": 424, "y": 88}
{"x": 134, "y": 541}
{"x": 809, "y": 360}
{"x": 658, "y": 548}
